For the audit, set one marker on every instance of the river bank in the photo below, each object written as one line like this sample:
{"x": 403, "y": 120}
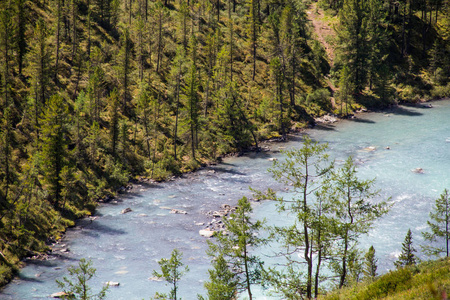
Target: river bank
{"x": 125, "y": 247}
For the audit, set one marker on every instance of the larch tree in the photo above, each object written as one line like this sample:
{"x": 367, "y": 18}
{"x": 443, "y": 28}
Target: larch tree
{"x": 54, "y": 141}
{"x": 114, "y": 120}
{"x": 305, "y": 170}
{"x": 439, "y": 224}
{"x": 370, "y": 264}
{"x": 76, "y": 286}
{"x": 172, "y": 270}
{"x": 192, "y": 105}
{"x": 235, "y": 247}
{"x": 407, "y": 257}
{"x": 6, "y": 47}
{"x": 39, "y": 71}
{"x": 352, "y": 35}
{"x": 355, "y": 210}
{"x": 222, "y": 284}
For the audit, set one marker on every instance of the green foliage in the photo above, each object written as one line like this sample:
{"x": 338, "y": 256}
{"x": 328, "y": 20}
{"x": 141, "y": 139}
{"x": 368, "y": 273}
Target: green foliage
{"x": 306, "y": 170}
{"x": 93, "y": 92}
{"x": 223, "y": 281}
{"x": 370, "y": 264}
{"x": 172, "y": 270}
{"x": 407, "y": 258}
{"x": 77, "y": 286}
{"x": 428, "y": 280}
{"x": 54, "y": 146}
{"x": 439, "y": 226}
{"x": 319, "y": 101}
{"x": 234, "y": 246}
{"x": 355, "y": 213}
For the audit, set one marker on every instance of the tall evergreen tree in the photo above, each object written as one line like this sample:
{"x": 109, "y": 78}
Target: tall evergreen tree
{"x": 54, "y": 146}
{"x": 223, "y": 281}
{"x": 370, "y": 264}
{"x": 306, "y": 170}
{"x": 172, "y": 270}
{"x": 192, "y": 99}
{"x": 407, "y": 257}
{"x": 242, "y": 235}
{"x": 439, "y": 224}
{"x": 39, "y": 70}
{"x": 355, "y": 213}
{"x": 6, "y": 47}
{"x": 352, "y": 34}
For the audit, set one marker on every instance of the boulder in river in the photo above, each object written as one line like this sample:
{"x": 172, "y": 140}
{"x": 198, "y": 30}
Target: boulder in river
{"x": 59, "y": 295}
{"x": 126, "y": 210}
{"x": 155, "y": 278}
{"x": 370, "y": 148}
{"x": 418, "y": 170}
{"x": 206, "y": 232}
{"x": 178, "y": 211}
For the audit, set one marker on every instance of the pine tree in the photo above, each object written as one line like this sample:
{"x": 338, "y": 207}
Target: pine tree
{"x": 439, "y": 224}
{"x": 407, "y": 257}
{"x": 345, "y": 90}
{"x": 124, "y": 70}
{"x": 39, "y": 71}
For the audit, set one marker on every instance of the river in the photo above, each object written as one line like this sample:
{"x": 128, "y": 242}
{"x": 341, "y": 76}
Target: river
{"x": 125, "y": 247}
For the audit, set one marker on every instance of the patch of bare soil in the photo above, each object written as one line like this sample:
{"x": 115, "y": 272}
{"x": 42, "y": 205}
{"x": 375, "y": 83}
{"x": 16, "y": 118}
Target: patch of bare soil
{"x": 321, "y": 29}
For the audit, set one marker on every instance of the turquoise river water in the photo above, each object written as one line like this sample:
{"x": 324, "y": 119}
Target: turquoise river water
{"x": 125, "y": 247}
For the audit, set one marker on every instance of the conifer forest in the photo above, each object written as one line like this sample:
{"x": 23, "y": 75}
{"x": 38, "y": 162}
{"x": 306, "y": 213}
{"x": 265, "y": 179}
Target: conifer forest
{"x": 97, "y": 93}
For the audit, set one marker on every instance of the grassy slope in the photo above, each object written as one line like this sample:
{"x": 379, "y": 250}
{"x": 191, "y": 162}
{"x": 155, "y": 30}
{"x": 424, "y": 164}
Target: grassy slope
{"x": 428, "y": 280}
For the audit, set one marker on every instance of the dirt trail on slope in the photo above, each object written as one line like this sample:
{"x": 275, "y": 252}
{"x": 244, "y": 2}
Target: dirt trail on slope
{"x": 321, "y": 28}
{"x": 323, "y": 32}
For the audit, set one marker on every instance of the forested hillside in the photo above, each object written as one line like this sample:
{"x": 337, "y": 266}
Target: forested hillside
{"x": 95, "y": 92}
